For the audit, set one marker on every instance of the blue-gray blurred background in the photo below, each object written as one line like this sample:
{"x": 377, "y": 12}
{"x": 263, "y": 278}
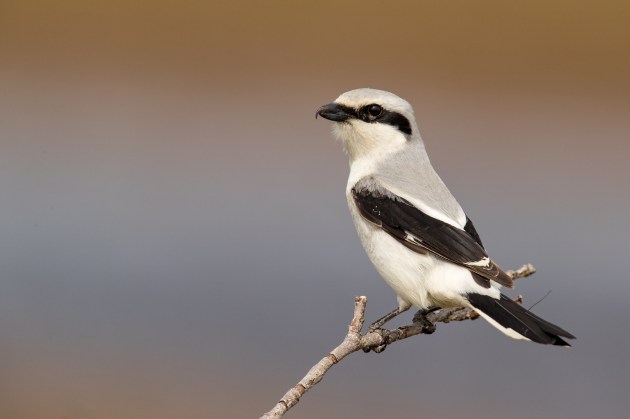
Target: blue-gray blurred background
{"x": 175, "y": 237}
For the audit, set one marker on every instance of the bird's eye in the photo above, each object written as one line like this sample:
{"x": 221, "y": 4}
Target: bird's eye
{"x": 374, "y": 110}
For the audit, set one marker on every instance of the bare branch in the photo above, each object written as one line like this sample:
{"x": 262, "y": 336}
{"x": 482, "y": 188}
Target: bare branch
{"x": 351, "y": 343}
{"x": 376, "y": 340}
{"x": 522, "y": 272}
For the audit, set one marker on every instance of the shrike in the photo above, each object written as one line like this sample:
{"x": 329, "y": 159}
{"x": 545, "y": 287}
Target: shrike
{"x": 413, "y": 230}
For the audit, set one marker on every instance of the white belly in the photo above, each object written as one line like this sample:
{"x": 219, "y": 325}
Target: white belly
{"x": 421, "y": 280}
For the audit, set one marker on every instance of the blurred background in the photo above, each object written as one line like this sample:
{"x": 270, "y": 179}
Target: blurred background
{"x": 175, "y": 236}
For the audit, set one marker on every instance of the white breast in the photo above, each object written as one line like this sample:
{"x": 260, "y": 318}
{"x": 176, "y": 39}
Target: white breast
{"x": 421, "y": 280}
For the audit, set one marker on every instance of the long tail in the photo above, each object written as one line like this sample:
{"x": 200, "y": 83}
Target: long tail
{"x": 516, "y": 321}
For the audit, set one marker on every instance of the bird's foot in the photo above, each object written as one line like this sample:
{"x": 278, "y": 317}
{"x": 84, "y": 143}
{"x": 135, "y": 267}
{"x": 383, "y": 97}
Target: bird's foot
{"x": 421, "y": 317}
{"x": 376, "y": 349}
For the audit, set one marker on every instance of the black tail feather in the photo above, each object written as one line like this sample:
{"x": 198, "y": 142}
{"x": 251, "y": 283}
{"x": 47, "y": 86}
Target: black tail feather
{"x": 511, "y": 315}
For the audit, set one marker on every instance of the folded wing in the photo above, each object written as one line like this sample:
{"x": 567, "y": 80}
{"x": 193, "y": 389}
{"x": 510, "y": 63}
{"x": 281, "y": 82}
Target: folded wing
{"x": 421, "y": 232}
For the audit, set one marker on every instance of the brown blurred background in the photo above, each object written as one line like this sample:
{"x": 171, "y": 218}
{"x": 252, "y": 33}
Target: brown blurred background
{"x": 175, "y": 237}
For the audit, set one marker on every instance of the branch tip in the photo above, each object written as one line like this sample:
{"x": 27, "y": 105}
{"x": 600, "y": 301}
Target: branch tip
{"x": 522, "y": 272}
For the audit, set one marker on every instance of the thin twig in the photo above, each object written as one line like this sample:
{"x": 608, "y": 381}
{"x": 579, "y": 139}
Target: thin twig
{"x": 522, "y": 272}
{"x": 351, "y": 343}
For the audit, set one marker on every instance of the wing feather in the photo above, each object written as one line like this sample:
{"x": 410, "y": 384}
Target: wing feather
{"x": 421, "y": 232}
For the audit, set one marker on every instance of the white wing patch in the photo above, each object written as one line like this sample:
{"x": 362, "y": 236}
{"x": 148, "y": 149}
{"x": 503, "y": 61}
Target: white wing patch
{"x": 413, "y": 239}
{"x": 485, "y": 262}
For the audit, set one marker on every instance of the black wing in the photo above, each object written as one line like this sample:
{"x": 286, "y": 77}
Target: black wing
{"x": 470, "y": 229}
{"x": 421, "y": 232}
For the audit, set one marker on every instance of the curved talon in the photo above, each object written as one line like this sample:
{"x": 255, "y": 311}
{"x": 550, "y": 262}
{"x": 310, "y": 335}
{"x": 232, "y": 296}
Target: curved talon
{"x": 384, "y": 333}
{"x": 376, "y": 349}
{"x": 380, "y": 348}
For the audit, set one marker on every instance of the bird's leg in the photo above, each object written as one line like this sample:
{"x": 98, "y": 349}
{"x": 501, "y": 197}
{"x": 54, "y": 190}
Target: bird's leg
{"x": 419, "y": 317}
{"x": 425, "y": 311}
{"x": 380, "y": 322}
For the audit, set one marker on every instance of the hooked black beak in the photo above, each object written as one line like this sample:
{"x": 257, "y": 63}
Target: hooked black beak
{"x": 335, "y": 112}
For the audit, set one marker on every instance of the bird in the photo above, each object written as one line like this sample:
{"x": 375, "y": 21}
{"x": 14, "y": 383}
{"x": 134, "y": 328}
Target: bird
{"x": 413, "y": 230}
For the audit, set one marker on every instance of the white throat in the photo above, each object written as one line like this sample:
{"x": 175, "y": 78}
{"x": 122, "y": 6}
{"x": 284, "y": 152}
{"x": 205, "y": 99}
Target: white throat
{"x": 365, "y": 141}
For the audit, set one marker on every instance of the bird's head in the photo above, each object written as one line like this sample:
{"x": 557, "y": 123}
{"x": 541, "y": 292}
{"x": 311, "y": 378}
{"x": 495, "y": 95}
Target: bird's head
{"x": 371, "y": 122}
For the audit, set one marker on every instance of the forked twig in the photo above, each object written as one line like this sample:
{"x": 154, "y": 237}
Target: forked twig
{"x": 376, "y": 341}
